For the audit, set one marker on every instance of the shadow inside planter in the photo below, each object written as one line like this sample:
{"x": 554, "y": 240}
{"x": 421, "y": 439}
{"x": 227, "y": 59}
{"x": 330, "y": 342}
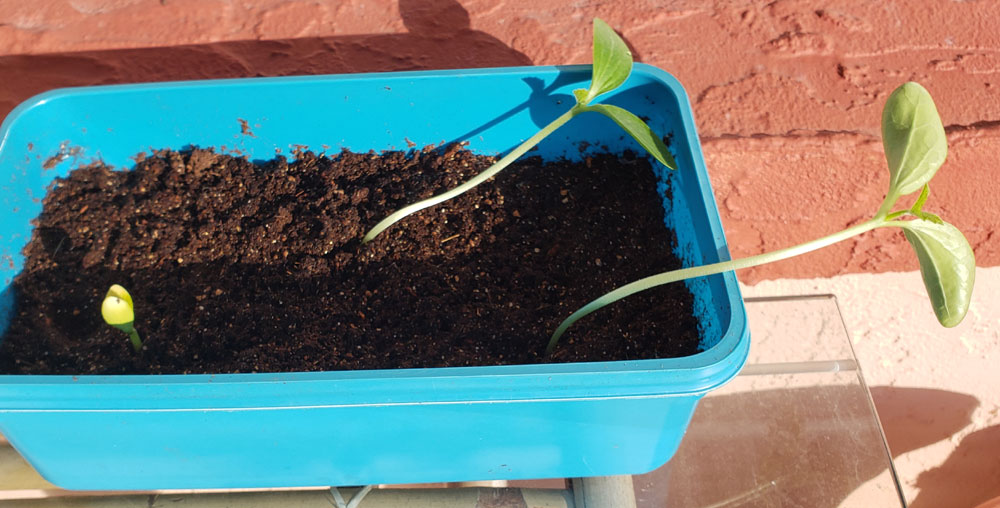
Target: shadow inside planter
{"x": 439, "y": 36}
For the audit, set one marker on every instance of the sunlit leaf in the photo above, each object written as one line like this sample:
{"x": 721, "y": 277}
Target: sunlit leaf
{"x": 612, "y": 61}
{"x": 638, "y": 129}
{"x": 947, "y": 266}
{"x": 913, "y": 137}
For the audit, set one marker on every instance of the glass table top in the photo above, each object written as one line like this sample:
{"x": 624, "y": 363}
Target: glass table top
{"x": 796, "y": 428}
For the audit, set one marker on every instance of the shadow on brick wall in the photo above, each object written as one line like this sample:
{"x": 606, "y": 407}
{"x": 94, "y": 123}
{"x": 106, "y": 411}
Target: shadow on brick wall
{"x": 438, "y": 36}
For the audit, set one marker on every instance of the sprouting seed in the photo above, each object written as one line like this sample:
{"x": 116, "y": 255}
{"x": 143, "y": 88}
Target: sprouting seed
{"x": 118, "y": 311}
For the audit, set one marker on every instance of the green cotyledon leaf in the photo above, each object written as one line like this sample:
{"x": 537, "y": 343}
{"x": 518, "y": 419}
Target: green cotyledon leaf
{"x": 913, "y": 138}
{"x": 639, "y": 130}
{"x": 612, "y": 62}
{"x": 947, "y": 265}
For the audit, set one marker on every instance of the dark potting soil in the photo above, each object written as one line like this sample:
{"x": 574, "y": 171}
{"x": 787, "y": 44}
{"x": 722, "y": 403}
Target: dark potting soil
{"x": 237, "y": 267}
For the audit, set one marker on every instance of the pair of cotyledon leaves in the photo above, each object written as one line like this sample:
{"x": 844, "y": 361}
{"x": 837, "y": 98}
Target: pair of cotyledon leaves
{"x": 915, "y": 147}
{"x": 612, "y": 65}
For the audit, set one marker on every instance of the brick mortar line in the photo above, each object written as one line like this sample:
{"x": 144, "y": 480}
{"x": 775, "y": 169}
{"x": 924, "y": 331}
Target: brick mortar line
{"x": 796, "y": 135}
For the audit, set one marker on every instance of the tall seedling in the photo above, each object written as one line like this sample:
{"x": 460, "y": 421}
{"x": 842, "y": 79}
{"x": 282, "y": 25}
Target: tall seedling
{"x": 915, "y": 147}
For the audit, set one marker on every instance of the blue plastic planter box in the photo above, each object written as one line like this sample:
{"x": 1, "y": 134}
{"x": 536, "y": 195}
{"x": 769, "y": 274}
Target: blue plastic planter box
{"x": 352, "y": 428}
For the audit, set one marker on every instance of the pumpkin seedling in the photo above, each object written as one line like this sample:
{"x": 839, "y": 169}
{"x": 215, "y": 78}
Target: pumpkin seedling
{"x": 118, "y": 312}
{"x": 915, "y": 147}
{"x": 612, "y": 66}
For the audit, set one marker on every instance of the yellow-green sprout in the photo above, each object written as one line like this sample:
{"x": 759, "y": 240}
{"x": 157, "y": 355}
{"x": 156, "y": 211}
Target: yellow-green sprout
{"x": 118, "y": 311}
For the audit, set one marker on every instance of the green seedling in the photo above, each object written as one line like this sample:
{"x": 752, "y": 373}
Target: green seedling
{"x": 118, "y": 311}
{"x": 915, "y": 147}
{"x": 612, "y": 66}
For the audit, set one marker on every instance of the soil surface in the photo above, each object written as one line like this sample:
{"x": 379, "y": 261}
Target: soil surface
{"x": 242, "y": 267}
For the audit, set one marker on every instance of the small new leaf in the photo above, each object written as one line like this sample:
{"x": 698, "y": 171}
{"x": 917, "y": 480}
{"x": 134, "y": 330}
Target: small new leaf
{"x": 947, "y": 265}
{"x": 638, "y": 129}
{"x": 924, "y": 194}
{"x": 913, "y": 137}
{"x": 612, "y": 61}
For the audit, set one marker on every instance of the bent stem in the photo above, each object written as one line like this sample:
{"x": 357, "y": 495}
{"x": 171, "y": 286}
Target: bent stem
{"x": 712, "y": 269}
{"x": 476, "y": 180}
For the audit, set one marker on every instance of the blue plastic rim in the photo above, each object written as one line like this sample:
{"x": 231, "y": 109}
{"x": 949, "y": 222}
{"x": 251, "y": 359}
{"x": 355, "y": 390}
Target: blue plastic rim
{"x": 354, "y": 428}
